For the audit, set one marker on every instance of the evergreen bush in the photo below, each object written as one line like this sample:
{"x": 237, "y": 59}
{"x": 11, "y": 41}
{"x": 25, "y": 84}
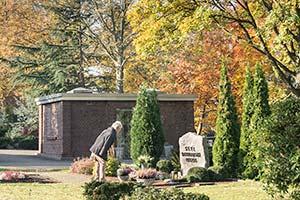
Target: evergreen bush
{"x": 280, "y": 150}
{"x": 260, "y": 113}
{"x": 216, "y": 173}
{"x": 28, "y": 142}
{"x": 197, "y": 174}
{"x": 146, "y": 133}
{"x": 226, "y": 144}
{"x": 96, "y": 190}
{"x": 112, "y": 165}
{"x": 247, "y": 113}
{"x": 153, "y": 193}
{"x": 165, "y": 166}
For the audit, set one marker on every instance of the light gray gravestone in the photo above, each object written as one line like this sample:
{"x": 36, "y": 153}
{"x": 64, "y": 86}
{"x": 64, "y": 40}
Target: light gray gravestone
{"x": 193, "y": 152}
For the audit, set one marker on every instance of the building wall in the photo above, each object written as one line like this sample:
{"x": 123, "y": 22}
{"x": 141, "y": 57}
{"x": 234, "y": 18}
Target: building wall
{"x": 52, "y": 126}
{"x": 77, "y": 123}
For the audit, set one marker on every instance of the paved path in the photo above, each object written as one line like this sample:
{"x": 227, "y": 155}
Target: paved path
{"x": 24, "y": 159}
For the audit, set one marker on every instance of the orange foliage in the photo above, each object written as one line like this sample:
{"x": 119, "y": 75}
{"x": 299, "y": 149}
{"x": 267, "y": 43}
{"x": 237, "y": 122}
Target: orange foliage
{"x": 198, "y": 73}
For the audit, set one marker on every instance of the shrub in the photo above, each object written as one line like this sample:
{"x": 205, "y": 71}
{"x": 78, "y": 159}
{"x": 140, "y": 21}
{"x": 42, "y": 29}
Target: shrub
{"x": 279, "y": 146}
{"x": 146, "y": 133}
{"x": 247, "y": 113}
{"x": 3, "y": 129}
{"x": 112, "y": 165}
{"x": 165, "y": 166}
{"x": 145, "y": 173}
{"x": 226, "y": 144}
{"x": 153, "y": 193}
{"x": 197, "y": 174}
{"x": 260, "y": 113}
{"x": 96, "y": 190}
{"x": 216, "y": 173}
{"x": 5, "y": 142}
{"x": 175, "y": 160}
{"x": 82, "y": 166}
{"x": 28, "y": 142}
{"x": 144, "y": 161}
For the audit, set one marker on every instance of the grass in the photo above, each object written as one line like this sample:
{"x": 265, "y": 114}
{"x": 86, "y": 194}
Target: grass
{"x": 37, "y": 191}
{"x": 70, "y": 188}
{"x": 242, "y": 190}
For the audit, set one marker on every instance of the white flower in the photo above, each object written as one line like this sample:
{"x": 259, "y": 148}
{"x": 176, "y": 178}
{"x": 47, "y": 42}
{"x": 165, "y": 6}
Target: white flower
{"x": 2, "y": 175}
{"x": 21, "y": 176}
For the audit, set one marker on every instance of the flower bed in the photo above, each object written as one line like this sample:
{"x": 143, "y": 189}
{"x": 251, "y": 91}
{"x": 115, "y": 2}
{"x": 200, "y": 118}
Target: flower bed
{"x": 12, "y": 176}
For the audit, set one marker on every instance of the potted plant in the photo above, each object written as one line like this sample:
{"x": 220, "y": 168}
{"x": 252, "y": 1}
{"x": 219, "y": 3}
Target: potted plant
{"x": 146, "y": 176}
{"x": 123, "y": 173}
{"x": 144, "y": 161}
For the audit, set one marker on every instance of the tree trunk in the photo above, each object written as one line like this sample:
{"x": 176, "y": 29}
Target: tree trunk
{"x": 120, "y": 76}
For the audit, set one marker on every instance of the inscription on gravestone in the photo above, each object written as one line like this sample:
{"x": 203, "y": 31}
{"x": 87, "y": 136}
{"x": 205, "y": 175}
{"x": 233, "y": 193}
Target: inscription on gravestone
{"x": 193, "y": 152}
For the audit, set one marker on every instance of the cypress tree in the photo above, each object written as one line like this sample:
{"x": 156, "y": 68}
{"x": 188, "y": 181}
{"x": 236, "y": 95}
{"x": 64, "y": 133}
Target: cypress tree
{"x": 260, "y": 113}
{"x": 226, "y": 145}
{"x": 146, "y": 133}
{"x": 246, "y": 118}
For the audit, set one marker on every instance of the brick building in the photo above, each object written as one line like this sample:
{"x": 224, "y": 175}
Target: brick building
{"x": 70, "y": 122}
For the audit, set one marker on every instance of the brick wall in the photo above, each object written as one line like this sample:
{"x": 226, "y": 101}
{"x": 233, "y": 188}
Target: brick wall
{"x": 70, "y": 127}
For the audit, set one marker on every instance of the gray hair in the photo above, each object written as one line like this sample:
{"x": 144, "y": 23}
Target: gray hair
{"x": 117, "y": 124}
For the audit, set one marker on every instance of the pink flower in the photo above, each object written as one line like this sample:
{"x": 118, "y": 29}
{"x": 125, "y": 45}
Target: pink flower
{"x": 12, "y": 176}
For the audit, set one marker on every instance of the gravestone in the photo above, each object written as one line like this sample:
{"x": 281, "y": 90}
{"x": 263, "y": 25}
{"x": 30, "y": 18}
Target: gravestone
{"x": 192, "y": 152}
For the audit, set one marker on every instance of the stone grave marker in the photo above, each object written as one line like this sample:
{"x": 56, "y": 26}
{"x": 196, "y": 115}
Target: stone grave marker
{"x": 193, "y": 152}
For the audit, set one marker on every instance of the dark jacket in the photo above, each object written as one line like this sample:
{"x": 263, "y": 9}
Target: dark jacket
{"x": 103, "y": 142}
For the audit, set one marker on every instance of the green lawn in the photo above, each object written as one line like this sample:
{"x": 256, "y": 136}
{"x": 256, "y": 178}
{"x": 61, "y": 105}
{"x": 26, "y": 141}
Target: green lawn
{"x": 70, "y": 188}
{"x": 242, "y": 190}
{"x": 37, "y": 191}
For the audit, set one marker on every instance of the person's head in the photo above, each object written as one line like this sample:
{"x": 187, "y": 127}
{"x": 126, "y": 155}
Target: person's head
{"x": 117, "y": 125}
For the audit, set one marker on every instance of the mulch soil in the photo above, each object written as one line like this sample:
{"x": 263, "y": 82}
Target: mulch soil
{"x": 32, "y": 178}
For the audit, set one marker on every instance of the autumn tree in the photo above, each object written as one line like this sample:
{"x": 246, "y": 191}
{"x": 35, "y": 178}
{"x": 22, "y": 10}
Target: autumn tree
{"x": 226, "y": 144}
{"x": 270, "y": 27}
{"x": 178, "y": 53}
{"x": 59, "y": 63}
{"x": 20, "y": 24}
{"x": 110, "y": 29}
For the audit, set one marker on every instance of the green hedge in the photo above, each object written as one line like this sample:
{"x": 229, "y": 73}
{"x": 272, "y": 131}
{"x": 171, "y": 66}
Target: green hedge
{"x": 164, "y": 194}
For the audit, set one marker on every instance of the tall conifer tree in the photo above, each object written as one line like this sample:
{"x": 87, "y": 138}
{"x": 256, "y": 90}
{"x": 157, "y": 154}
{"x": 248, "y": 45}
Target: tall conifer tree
{"x": 146, "y": 133}
{"x": 58, "y": 64}
{"x": 246, "y": 118}
{"x": 226, "y": 145}
{"x": 261, "y": 112}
